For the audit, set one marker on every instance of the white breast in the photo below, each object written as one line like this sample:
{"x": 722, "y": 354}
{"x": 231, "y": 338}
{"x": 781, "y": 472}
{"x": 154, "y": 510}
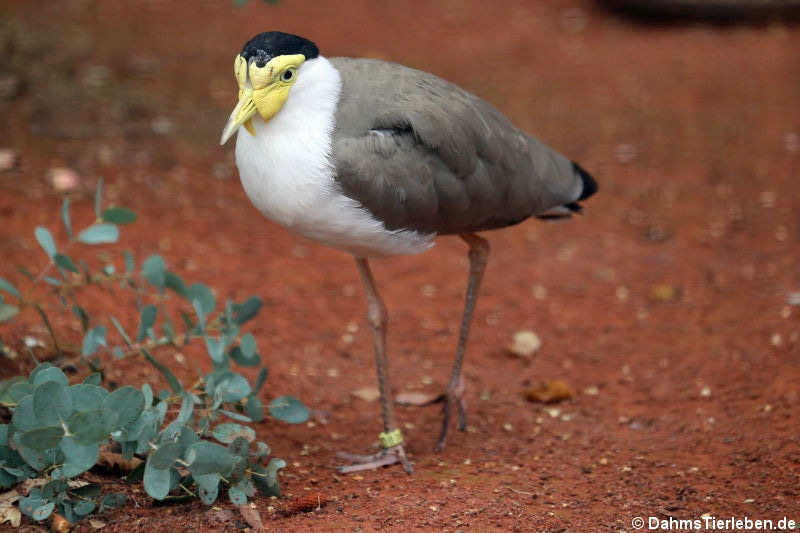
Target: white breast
{"x": 287, "y": 172}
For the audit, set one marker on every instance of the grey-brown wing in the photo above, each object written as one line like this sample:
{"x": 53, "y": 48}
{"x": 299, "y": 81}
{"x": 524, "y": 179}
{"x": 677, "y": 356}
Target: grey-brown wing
{"x": 421, "y": 153}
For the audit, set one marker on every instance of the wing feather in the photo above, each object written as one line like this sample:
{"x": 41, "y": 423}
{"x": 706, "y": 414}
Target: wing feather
{"x": 421, "y": 153}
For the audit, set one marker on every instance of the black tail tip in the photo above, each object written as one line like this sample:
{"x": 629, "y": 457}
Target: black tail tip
{"x": 589, "y": 184}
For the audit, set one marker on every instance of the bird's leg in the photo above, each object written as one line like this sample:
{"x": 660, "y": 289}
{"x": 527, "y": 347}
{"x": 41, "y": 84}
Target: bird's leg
{"x": 391, "y": 438}
{"x": 478, "y": 257}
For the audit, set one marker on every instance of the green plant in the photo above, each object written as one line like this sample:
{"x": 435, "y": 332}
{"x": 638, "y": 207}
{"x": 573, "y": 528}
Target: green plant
{"x": 57, "y": 430}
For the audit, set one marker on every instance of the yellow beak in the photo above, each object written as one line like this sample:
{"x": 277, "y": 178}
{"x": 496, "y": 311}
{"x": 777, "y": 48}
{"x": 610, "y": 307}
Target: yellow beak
{"x": 242, "y": 115}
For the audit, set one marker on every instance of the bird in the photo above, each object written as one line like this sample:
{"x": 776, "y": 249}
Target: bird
{"x": 377, "y": 159}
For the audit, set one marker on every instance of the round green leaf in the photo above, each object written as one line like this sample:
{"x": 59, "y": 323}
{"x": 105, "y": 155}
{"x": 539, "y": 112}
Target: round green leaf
{"x": 84, "y": 507}
{"x": 24, "y": 418}
{"x": 239, "y": 358}
{"x": 45, "y": 239}
{"x": 248, "y": 345}
{"x": 114, "y": 500}
{"x": 86, "y": 397}
{"x": 187, "y": 406}
{"x": 187, "y": 438}
{"x": 65, "y": 262}
{"x": 93, "y": 338}
{"x": 48, "y": 373}
{"x": 262, "y": 449}
{"x": 254, "y": 409}
{"x": 78, "y": 457}
{"x": 9, "y": 288}
{"x": 19, "y": 390}
{"x": 245, "y": 311}
{"x": 207, "y": 457}
{"x": 266, "y": 479}
{"x": 65, "y": 216}
{"x": 156, "y": 480}
{"x": 289, "y": 409}
{"x": 44, "y": 511}
{"x": 203, "y": 294}
{"x": 99, "y": 234}
{"x": 233, "y": 388}
{"x": 118, "y": 215}
{"x": 7, "y": 312}
{"x": 174, "y": 282}
{"x": 207, "y": 487}
{"x": 52, "y": 403}
{"x": 42, "y": 438}
{"x": 127, "y": 403}
{"x": 146, "y": 321}
{"x": 155, "y": 270}
{"x": 215, "y": 349}
{"x": 164, "y": 457}
{"x": 237, "y": 496}
{"x": 227, "y": 433}
{"x": 90, "y": 427}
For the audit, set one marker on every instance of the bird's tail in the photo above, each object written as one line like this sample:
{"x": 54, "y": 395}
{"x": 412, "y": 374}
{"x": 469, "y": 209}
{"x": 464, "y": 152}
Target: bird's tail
{"x": 589, "y": 187}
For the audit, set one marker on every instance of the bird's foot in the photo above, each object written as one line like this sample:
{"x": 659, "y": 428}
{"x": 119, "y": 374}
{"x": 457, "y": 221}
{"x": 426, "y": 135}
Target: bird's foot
{"x": 385, "y": 457}
{"x": 454, "y": 397}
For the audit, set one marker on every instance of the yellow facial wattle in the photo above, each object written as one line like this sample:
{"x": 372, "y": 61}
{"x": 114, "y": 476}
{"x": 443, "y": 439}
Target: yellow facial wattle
{"x": 262, "y": 90}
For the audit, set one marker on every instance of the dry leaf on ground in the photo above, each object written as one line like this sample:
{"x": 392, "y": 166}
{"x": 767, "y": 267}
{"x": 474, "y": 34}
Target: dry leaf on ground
{"x": 8, "y": 511}
{"x": 550, "y": 392}
{"x": 111, "y": 459}
{"x": 251, "y": 516}
{"x": 59, "y": 524}
{"x": 418, "y": 399}
{"x": 368, "y": 394}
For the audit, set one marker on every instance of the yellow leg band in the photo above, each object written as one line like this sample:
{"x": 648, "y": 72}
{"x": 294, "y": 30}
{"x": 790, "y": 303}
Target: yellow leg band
{"x": 393, "y": 438}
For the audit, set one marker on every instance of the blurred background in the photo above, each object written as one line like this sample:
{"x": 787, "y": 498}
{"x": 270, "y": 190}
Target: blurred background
{"x": 675, "y": 296}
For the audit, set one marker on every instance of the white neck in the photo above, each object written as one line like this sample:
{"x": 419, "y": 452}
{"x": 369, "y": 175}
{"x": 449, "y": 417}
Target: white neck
{"x": 288, "y": 173}
{"x": 292, "y": 150}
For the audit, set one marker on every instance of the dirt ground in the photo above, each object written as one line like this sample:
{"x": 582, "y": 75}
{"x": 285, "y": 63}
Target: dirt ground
{"x": 666, "y": 308}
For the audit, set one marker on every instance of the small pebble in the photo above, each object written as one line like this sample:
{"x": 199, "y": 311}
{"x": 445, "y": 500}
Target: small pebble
{"x": 625, "y": 153}
{"x": 428, "y": 290}
{"x": 539, "y": 292}
{"x": 791, "y": 141}
{"x": 161, "y": 126}
{"x": 8, "y": 159}
{"x": 622, "y": 293}
{"x": 63, "y": 179}
{"x": 524, "y": 344}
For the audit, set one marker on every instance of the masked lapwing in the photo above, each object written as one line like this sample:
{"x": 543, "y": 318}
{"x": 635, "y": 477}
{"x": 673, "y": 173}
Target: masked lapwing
{"x": 377, "y": 159}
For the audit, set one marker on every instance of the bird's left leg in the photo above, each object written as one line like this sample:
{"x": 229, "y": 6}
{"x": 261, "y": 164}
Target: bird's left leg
{"x": 391, "y": 438}
{"x": 478, "y": 257}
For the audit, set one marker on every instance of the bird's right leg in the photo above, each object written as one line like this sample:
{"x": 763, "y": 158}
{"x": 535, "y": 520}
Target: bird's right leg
{"x": 478, "y": 257}
{"x": 391, "y": 438}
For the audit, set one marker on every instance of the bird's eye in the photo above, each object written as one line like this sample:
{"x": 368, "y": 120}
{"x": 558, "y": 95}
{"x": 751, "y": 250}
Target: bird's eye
{"x": 288, "y": 74}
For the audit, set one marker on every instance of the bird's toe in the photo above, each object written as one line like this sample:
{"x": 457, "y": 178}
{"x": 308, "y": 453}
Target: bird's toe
{"x": 386, "y": 457}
